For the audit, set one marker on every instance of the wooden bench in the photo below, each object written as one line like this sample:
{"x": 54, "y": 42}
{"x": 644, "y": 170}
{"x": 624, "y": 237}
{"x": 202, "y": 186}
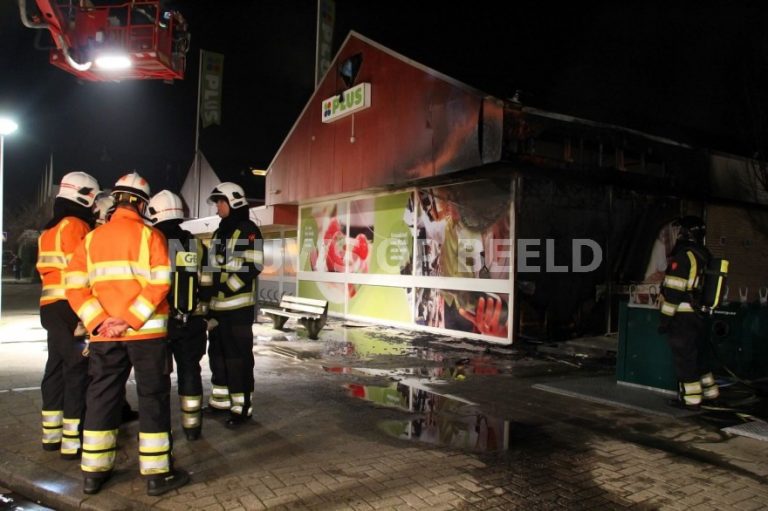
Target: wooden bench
{"x": 309, "y": 312}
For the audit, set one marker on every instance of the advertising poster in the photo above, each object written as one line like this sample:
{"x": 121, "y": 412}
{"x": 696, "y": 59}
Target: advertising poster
{"x": 466, "y": 311}
{"x": 381, "y": 234}
{"x": 463, "y": 231}
{"x": 380, "y": 242}
{"x": 323, "y": 242}
{"x": 323, "y": 237}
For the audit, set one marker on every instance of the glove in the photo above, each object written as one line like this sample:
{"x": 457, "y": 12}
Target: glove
{"x": 664, "y": 323}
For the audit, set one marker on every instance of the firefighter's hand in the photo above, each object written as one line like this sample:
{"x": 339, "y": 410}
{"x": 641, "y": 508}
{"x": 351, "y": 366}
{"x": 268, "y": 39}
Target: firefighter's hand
{"x": 487, "y": 317}
{"x": 113, "y": 327}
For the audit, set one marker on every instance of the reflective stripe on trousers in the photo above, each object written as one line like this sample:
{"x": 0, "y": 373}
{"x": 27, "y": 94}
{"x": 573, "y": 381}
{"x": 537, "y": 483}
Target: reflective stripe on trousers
{"x": 220, "y": 398}
{"x": 99, "y": 450}
{"x": 238, "y": 401}
{"x": 190, "y": 411}
{"x": 52, "y": 426}
{"x": 154, "y": 453}
{"x": 70, "y": 443}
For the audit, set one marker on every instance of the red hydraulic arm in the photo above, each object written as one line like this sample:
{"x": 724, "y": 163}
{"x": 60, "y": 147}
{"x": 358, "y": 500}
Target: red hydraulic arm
{"x": 147, "y": 41}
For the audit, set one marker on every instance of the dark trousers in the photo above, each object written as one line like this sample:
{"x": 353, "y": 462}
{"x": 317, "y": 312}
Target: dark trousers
{"x": 216, "y": 358}
{"x": 232, "y": 347}
{"x": 110, "y": 365}
{"x": 66, "y": 372}
{"x": 687, "y": 338}
{"x": 188, "y": 347}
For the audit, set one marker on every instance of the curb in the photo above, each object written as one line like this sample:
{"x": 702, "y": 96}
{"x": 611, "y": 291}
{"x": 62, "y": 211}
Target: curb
{"x": 56, "y": 490}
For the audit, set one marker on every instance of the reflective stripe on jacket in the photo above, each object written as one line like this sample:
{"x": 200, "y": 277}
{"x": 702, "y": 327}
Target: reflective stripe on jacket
{"x": 680, "y": 280}
{"x": 235, "y": 260}
{"x": 55, "y": 247}
{"x": 122, "y": 270}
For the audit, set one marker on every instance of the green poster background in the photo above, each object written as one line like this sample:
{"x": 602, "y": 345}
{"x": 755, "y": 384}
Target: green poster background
{"x": 381, "y": 302}
{"x": 331, "y": 291}
{"x": 393, "y": 238}
{"x": 308, "y": 232}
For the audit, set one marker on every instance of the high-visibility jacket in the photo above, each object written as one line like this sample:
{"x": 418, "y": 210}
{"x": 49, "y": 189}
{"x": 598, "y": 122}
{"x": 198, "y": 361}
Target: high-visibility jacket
{"x": 121, "y": 270}
{"x": 54, "y": 251}
{"x": 681, "y": 280}
{"x": 236, "y": 258}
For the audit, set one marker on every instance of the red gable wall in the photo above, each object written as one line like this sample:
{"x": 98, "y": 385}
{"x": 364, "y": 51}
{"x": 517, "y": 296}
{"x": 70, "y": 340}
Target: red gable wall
{"x": 419, "y": 125}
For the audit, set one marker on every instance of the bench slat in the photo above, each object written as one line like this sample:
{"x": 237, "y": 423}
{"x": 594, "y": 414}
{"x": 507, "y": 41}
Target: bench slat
{"x": 304, "y": 308}
{"x": 288, "y": 314}
{"x": 304, "y": 301}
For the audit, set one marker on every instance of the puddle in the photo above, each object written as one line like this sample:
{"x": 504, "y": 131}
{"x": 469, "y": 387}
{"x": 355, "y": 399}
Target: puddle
{"x": 361, "y": 344}
{"x": 443, "y": 419}
{"x": 10, "y": 501}
{"x": 442, "y": 367}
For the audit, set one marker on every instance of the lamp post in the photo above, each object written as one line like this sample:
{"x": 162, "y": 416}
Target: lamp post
{"x": 7, "y": 126}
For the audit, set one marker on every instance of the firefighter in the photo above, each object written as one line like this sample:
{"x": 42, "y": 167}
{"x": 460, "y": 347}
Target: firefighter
{"x": 66, "y": 370}
{"x": 681, "y": 318}
{"x": 103, "y": 208}
{"x": 117, "y": 283}
{"x": 186, "y": 324}
{"x": 236, "y": 257}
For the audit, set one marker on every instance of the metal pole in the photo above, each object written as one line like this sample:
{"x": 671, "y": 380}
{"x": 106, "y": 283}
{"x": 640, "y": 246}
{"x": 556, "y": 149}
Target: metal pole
{"x": 317, "y": 46}
{"x": 2, "y": 147}
{"x": 197, "y": 134}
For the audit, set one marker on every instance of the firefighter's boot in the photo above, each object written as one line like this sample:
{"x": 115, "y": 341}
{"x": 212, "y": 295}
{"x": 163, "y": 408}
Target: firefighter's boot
{"x": 160, "y": 485}
{"x": 690, "y": 394}
{"x": 709, "y": 389}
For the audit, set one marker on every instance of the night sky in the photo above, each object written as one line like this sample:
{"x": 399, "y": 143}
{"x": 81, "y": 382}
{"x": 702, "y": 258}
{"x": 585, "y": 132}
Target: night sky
{"x": 698, "y": 75}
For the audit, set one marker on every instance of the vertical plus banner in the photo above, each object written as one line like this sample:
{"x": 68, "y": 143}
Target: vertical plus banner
{"x": 211, "y": 78}
{"x": 326, "y": 18}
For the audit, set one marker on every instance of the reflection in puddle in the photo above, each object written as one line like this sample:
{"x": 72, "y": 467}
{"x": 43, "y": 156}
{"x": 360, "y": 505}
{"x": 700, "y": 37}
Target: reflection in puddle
{"x": 450, "y": 369}
{"x": 361, "y": 344}
{"x": 444, "y": 420}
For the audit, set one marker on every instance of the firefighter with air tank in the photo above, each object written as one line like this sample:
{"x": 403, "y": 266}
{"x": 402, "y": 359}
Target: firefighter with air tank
{"x": 186, "y": 323}
{"x": 692, "y": 286}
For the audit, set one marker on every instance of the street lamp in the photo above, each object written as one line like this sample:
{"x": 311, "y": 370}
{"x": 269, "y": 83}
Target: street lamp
{"x": 7, "y": 126}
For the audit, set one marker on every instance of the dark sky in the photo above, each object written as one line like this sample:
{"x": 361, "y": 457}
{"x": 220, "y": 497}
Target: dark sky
{"x": 674, "y": 69}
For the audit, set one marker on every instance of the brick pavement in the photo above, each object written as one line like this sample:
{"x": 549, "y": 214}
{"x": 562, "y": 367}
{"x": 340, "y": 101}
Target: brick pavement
{"x": 312, "y": 446}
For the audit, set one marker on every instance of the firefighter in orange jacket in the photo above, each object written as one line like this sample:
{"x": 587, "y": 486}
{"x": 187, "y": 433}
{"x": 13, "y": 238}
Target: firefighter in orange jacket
{"x": 66, "y": 371}
{"x": 117, "y": 283}
{"x": 236, "y": 259}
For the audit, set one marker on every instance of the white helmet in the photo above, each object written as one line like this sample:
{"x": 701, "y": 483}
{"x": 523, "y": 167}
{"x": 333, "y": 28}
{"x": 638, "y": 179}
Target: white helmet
{"x": 79, "y": 187}
{"x": 234, "y": 194}
{"x": 133, "y": 186}
{"x": 164, "y": 206}
{"x": 103, "y": 208}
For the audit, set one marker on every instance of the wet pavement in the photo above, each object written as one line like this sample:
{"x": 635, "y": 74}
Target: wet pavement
{"x": 375, "y": 418}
